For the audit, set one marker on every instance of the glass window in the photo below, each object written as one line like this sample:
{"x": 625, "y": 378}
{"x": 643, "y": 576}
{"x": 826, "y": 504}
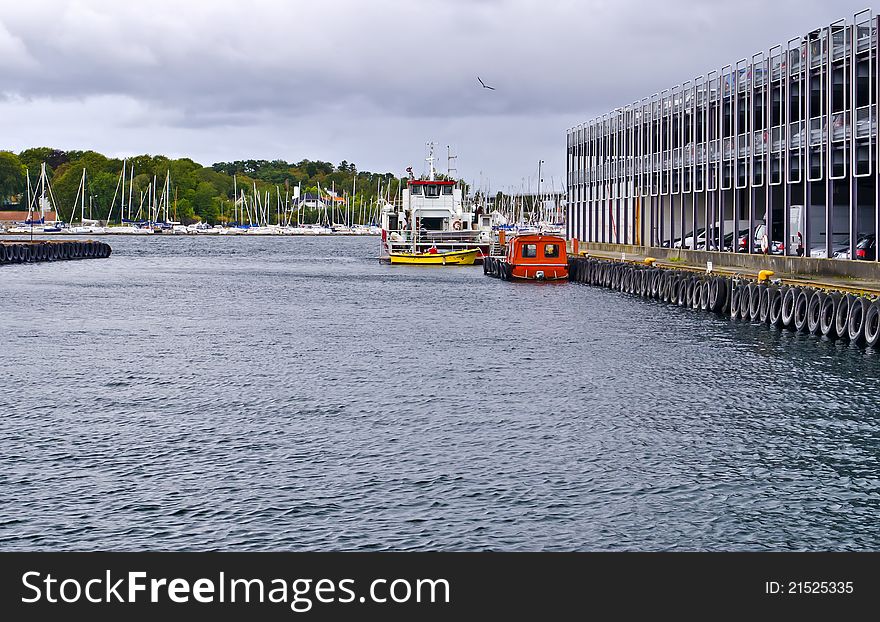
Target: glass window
{"x": 551, "y": 250}
{"x": 530, "y": 250}
{"x": 447, "y": 189}
{"x": 432, "y": 190}
{"x": 415, "y": 189}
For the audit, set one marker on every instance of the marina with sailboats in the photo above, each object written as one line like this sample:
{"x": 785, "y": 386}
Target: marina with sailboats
{"x": 410, "y": 214}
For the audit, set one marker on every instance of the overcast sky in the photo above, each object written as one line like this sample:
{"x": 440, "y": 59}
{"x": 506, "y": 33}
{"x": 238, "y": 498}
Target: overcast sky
{"x": 366, "y": 81}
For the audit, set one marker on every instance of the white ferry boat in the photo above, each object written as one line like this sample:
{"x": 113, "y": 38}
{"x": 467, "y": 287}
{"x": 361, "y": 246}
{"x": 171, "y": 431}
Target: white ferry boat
{"x": 431, "y": 214}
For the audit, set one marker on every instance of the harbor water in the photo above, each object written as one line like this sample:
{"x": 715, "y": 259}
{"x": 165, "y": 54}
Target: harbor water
{"x": 259, "y": 393}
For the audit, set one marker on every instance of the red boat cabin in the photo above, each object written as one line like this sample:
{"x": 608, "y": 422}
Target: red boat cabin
{"x": 538, "y": 257}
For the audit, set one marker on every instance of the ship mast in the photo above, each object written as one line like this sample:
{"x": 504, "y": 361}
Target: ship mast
{"x": 430, "y": 161}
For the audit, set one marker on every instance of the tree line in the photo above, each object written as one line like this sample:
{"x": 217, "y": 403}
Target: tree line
{"x": 197, "y": 193}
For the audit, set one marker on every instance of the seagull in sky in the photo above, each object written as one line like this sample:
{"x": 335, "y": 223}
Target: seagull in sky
{"x": 485, "y": 86}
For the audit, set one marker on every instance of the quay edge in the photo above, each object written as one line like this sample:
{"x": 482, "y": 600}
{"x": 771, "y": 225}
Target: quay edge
{"x": 802, "y": 266}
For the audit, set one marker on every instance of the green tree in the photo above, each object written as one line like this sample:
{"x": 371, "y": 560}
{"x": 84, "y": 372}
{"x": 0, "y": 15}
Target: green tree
{"x": 185, "y": 212}
{"x": 204, "y": 204}
{"x": 33, "y": 158}
{"x": 11, "y": 175}
{"x": 102, "y": 188}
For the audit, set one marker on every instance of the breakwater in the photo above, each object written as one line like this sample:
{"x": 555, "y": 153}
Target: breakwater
{"x": 807, "y": 309}
{"x": 42, "y": 250}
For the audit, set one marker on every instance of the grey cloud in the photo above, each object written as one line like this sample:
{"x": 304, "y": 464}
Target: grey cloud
{"x": 209, "y": 66}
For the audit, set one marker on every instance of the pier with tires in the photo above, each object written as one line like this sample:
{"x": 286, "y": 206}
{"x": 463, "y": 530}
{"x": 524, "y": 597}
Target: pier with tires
{"x": 836, "y": 314}
{"x": 42, "y": 250}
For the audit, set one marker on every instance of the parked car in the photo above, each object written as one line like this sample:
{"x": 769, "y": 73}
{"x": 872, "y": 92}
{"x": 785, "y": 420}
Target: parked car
{"x": 866, "y": 247}
{"x": 688, "y": 241}
{"x": 727, "y": 245}
{"x": 839, "y": 248}
{"x": 773, "y": 247}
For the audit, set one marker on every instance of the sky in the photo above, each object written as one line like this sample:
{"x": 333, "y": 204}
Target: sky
{"x": 367, "y": 82}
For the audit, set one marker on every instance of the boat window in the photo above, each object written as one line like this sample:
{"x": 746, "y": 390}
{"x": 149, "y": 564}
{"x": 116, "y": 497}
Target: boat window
{"x": 551, "y": 250}
{"x": 447, "y": 189}
{"x": 530, "y": 250}
{"x": 432, "y": 190}
{"x": 415, "y": 190}
{"x": 431, "y": 224}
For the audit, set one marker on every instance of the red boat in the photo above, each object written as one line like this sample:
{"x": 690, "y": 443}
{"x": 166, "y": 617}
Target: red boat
{"x": 531, "y": 257}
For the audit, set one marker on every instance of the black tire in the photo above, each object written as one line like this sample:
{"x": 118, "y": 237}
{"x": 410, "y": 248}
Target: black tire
{"x": 856, "y": 325}
{"x": 674, "y": 291}
{"x": 801, "y": 308}
{"x": 735, "y": 297}
{"x": 764, "y": 307}
{"x": 841, "y": 319}
{"x": 827, "y": 315}
{"x": 704, "y": 295}
{"x": 670, "y": 284}
{"x": 814, "y": 313}
{"x": 682, "y": 291}
{"x": 688, "y": 292}
{"x": 774, "y": 315}
{"x": 788, "y": 304}
{"x": 872, "y": 324}
{"x": 695, "y": 294}
{"x": 745, "y": 302}
{"x": 717, "y": 293}
{"x": 754, "y": 302}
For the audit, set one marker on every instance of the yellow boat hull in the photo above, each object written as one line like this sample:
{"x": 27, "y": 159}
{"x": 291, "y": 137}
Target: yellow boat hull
{"x": 452, "y": 258}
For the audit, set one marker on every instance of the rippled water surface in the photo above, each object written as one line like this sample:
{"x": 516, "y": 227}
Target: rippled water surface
{"x": 293, "y": 394}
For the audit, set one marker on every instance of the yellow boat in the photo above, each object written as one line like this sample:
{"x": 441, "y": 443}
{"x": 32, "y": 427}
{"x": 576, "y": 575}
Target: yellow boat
{"x": 451, "y": 258}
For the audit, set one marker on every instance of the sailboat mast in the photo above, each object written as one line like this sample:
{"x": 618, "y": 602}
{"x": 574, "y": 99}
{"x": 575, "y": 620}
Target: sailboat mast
{"x": 130, "y": 189}
{"x": 82, "y": 199}
{"x": 29, "y": 202}
{"x": 43, "y": 192}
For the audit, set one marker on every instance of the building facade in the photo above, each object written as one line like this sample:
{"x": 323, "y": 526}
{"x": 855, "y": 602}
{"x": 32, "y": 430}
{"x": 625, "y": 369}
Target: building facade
{"x": 773, "y": 153}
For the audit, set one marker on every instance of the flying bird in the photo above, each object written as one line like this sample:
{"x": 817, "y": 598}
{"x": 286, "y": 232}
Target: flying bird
{"x": 485, "y": 86}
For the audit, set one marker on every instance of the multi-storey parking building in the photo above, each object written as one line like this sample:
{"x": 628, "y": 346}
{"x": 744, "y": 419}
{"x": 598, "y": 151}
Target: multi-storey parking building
{"x": 773, "y": 153}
